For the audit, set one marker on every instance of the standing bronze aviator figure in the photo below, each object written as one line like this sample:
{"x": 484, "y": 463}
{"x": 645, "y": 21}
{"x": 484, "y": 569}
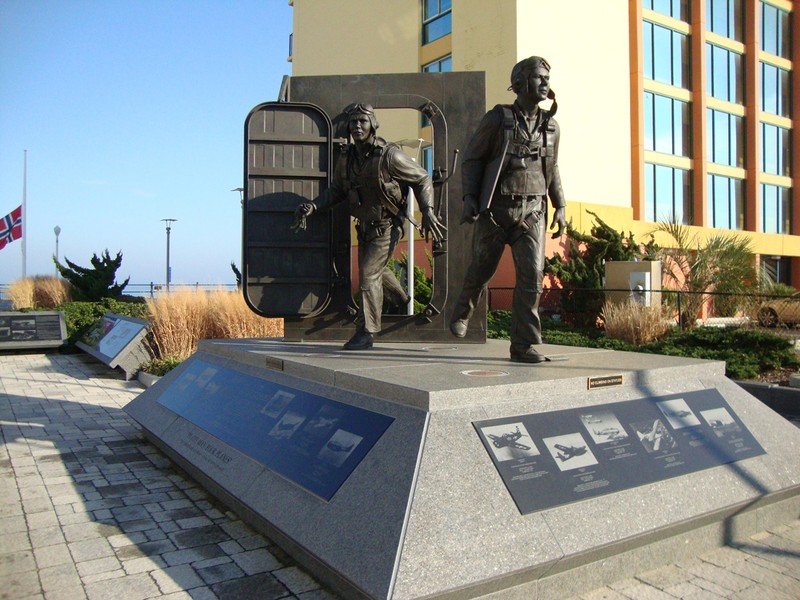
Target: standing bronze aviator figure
{"x": 373, "y": 176}
{"x": 510, "y": 168}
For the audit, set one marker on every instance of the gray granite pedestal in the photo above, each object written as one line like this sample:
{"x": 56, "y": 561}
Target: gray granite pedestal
{"x": 426, "y": 513}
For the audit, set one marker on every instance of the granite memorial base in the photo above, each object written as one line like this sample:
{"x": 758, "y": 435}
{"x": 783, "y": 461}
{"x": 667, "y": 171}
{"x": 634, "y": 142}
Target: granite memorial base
{"x": 446, "y": 471}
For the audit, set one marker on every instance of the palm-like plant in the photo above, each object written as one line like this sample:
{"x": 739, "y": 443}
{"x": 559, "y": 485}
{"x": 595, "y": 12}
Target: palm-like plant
{"x": 724, "y": 264}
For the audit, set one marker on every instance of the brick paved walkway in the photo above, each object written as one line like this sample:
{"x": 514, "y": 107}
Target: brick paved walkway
{"x": 88, "y": 509}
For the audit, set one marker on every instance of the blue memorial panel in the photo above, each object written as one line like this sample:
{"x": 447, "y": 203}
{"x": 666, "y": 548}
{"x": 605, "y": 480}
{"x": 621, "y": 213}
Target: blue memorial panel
{"x": 311, "y": 440}
{"x": 554, "y": 458}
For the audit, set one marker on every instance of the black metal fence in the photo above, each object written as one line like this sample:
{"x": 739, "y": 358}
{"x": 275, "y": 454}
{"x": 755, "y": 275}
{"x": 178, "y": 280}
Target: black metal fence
{"x": 686, "y": 309}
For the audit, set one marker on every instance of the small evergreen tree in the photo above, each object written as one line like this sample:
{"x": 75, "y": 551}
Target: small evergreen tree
{"x": 237, "y": 274}
{"x": 583, "y": 268}
{"x": 93, "y": 284}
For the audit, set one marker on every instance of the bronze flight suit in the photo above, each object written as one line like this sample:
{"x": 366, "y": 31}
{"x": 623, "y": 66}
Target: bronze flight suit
{"x": 516, "y": 214}
{"x": 375, "y": 186}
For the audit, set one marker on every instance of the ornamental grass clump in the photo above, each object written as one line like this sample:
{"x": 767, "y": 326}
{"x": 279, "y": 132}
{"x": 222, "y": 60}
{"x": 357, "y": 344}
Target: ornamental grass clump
{"x": 39, "y": 292}
{"x": 178, "y": 322}
{"x": 230, "y": 317}
{"x": 50, "y": 292}
{"x": 634, "y": 323}
{"x": 183, "y": 318}
{"x": 20, "y": 292}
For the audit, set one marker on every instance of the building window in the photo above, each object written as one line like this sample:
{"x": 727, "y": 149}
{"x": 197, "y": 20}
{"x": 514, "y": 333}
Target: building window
{"x": 667, "y": 125}
{"x": 725, "y": 138}
{"x": 724, "y": 17}
{"x": 775, "y": 209}
{"x": 726, "y": 202}
{"x": 436, "y": 19}
{"x": 724, "y": 69}
{"x": 777, "y": 269}
{"x": 427, "y": 159}
{"x": 775, "y": 30}
{"x": 441, "y": 65}
{"x": 666, "y": 55}
{"x": 677, "y": 9}
{"x": 776, "y": 90}
{"x": 775, "y": 150}
{"x": 668, "y": 194}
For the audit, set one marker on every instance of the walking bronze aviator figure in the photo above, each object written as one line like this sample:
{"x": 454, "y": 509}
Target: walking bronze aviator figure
{"x": 510, "y": 168}
{"x": 373, "y": 177}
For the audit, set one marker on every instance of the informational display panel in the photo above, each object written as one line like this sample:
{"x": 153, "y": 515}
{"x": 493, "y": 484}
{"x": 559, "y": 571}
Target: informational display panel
{"x": 118, "y": 341}
{"x": 554, "y": 458}
{"x": 32, "y": 330}
{"x": 112, "y": 333}
{"x": 311, "y": 440}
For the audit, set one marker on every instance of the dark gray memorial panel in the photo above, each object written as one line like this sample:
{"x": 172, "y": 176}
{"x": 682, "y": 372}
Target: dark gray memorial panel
{"x": 311, "y": 440}
{"x": 32, "y": 330}
{"x": 554, "y": 458}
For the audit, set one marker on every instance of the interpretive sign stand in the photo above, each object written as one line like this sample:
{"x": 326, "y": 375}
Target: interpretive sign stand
{"x": 425, "y": 471}
{"x": 32, "y": 330}
{"x": 118, "y": 341}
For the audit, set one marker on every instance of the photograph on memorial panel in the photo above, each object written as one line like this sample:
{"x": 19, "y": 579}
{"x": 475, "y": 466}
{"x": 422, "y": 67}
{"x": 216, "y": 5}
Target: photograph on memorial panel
{"x": 339, "y": 447}
{"x": 285, "y": 428}
{"x": 23, "y": 329}
{"x": 678, "y": 413}
{"x": 654, "y": 435}
{"x": 603, "y": 427}
{"x": 205, "y": 376}
{"x": 721, "y": 421}
{"x": 570, "y": 451}
{"x": 318, "y": 429}
{"x": 277, "y": 404}
{"x": 510, "y": 441}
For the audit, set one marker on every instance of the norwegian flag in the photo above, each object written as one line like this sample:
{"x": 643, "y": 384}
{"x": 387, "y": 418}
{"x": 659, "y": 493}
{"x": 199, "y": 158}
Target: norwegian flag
{"x": 11, "y": 227}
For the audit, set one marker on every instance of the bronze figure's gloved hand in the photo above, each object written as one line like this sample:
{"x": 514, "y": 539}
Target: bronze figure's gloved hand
{"x": 431, "y": 226}
{"x": 471, "y": 209}
{"x": 306, "y": 209}
{"x": 560, "y": 219}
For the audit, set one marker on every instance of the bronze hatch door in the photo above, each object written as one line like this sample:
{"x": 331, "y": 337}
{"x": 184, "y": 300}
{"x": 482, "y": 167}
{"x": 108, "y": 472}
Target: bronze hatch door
{"x": 287, "y": 162}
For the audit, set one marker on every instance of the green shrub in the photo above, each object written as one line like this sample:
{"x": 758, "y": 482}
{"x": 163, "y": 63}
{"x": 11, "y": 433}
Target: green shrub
{"x": 499, "y": 324}
{"x": 162, "y": 366}
{"x": 747, "y": 352}
{"x": 80, "y": 316}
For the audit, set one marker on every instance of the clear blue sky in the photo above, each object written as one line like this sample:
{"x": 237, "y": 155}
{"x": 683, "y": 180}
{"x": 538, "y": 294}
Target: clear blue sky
{"x": 132, "y": 111}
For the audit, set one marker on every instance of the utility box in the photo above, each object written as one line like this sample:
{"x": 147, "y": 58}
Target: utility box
{"x": 637, "y": 281}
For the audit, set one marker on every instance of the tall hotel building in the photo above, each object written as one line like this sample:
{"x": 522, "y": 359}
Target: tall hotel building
{"x": 669, "y": 109}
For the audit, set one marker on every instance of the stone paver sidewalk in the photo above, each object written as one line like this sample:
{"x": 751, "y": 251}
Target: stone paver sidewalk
{"x": 89, "y": 509}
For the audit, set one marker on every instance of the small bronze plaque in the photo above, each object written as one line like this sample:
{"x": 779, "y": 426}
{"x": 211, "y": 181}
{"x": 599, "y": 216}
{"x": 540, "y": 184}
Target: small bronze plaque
{"x": 604, "y": 381}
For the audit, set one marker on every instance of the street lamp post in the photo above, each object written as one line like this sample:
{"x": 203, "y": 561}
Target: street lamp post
{"x": 57, "y": 231}
{"x": 241, "y": 195}
{"x": 168, "y": 222}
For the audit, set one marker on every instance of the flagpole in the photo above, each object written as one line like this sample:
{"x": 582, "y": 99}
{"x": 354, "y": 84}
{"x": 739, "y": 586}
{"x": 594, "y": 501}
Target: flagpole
{"x": 24, "y": 216}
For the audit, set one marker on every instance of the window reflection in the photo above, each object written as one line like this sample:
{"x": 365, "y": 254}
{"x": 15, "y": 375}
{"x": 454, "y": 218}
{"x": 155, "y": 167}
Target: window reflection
{"x": 667, "y": 194}
{"x": 776, "y": 209}
{"x": 724, "y": 17}
{"x": 775, "y": 150}
{"x": 724, "y": 79}
{"x": 775, "y": 90}
{"x": 775, "y": 30}
{"x": 666, "y": 124}
{"x": 677, "y": 9}
{"x": 666, "y": 55}
{"x": 436, "y": 20}
{"x": 726, "y": 202}
{"x": 725, "y": 138}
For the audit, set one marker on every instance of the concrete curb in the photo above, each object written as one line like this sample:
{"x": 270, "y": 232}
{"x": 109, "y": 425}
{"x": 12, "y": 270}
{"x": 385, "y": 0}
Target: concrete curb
{"x": 782, "y": 399}
{"x": 147, "y": 379}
